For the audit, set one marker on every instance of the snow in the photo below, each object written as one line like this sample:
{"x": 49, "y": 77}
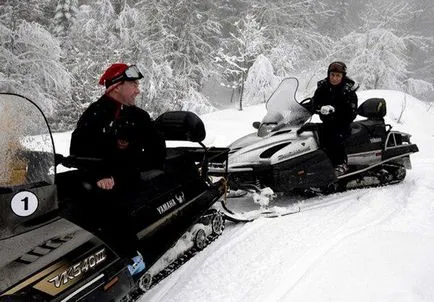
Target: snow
{"x": 363, "y": 245}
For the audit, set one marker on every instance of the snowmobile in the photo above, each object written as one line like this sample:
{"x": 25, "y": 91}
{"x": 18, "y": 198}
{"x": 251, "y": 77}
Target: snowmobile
{"x": 49, "y": 245}
{"x": 285, "y": 152}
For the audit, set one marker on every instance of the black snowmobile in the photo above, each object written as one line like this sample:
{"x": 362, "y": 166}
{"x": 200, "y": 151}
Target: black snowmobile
{"x": 285, "y": 153}
{"x": 48, "y": 247}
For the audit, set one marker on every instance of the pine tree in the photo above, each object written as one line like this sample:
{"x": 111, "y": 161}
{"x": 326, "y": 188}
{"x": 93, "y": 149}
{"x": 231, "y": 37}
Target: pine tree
{"x": 65, "y": 13}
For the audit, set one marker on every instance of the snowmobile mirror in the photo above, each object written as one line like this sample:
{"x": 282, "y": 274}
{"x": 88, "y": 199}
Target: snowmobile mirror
{"x": 256, "y": 124}
{"x": 307, "y": 103}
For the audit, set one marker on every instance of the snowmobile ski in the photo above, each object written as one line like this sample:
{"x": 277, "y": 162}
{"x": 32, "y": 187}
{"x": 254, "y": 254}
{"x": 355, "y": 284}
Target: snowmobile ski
{"x": 261, "y": 197}
{"x": 271, "y": 212}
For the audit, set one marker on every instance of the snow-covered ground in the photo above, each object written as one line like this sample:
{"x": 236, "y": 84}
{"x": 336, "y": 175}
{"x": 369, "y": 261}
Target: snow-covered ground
{"x": 363, "y": 245}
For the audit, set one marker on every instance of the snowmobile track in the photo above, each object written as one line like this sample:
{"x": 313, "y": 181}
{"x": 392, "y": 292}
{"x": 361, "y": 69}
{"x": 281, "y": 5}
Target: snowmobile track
{"x": 152, "y": 281}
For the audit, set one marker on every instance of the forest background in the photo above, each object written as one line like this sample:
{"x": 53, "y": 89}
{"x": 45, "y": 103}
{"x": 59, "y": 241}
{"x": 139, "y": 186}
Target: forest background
{"x": 194, "y": 53}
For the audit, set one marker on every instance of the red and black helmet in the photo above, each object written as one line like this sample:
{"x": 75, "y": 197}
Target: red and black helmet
{"x": 119, "y": 72}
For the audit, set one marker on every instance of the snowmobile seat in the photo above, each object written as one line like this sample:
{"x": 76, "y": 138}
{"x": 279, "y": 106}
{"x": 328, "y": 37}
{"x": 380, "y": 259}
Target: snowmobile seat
{"x": 150, "y": 174}
{"x": 182, "y": 126}
{"x": 376, "y": 128}
{"x": 364, "y": 129}
{"x": 366, "y": 135}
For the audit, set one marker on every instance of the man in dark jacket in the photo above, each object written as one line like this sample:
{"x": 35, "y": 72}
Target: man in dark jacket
{"x": 335, "y": 100}
{"x": 124, "y": 142}
{"x": 114, "y": 130}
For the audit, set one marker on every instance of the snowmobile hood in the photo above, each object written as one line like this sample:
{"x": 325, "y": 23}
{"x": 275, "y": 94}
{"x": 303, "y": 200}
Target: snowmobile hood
{"x": 266, "y": 131}
{"x": 254, "y": 151}
{"x": 244, "y": 141}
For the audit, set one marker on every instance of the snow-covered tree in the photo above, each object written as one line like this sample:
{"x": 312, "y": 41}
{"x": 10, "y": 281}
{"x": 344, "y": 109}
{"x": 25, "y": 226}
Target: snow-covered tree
{"x": 338, "y": 22}
{"x": 376, "y": 58}
{"x": 172, "y": 41}
{"x": 396, "y": 15}
{"x": 193, "y": 34}
{"x": 378, "y": 55}
{"x": 140, "y": 43}
{"x": 260, "y": 81}
{"x": 30, "y": 57}
{"x": 91, "y": 45}
{"x": 294, "y": 27}
{"x": 420, "y": 89}
{"x": 14, "y": 11}
{"x": 248, "y": 41}
{"x": 423, "y": 61}
{"x": 196, "y": 102}
{"x": 284, "y": 16}
{"x": 64, "y": 16}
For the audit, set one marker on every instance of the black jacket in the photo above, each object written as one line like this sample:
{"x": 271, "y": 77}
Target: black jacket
{"x": 105, "y": 122}
{"x": 342, "y": 97}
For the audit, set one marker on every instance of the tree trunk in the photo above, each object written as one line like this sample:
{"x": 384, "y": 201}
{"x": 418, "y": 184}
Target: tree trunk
{"x": 403, "y": 106}
{"x": 242, "y": 92}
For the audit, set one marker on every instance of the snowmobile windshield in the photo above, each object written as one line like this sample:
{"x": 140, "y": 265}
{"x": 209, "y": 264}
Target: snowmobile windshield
{"x": 27, "y": 165}
{"x": 283, "y": 108}
{"x": 26, "y": 149}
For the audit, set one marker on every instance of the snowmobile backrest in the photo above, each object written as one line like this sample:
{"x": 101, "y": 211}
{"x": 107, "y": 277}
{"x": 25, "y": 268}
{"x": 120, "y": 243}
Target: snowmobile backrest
{"x": 374, "y": 108}
{"x": 181, "y": 126}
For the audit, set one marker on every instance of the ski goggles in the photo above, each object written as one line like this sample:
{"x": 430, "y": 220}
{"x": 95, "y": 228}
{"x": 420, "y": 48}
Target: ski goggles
{"x": 132, "y": 73}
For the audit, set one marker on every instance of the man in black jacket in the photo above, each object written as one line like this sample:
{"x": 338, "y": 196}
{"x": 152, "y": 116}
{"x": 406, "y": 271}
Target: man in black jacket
{"x": 123, "y": 140}
{"x": 335, "y": 100}
{"x": 114, "y": 130}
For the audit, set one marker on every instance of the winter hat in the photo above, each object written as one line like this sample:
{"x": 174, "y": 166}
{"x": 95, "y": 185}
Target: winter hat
{"x": 115, "y": 70}
{"x": 337, "y": 67}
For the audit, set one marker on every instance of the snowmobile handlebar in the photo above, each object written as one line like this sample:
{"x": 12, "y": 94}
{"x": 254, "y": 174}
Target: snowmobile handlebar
{"x": 308, "y": 127}
{"x": 308, "y": 104}
{"x": 76, "y": 162}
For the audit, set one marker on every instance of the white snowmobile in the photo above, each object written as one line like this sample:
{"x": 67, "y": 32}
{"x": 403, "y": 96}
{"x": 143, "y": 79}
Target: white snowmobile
{"x": 50, "y": 248}
{"x": 286, "y": 156}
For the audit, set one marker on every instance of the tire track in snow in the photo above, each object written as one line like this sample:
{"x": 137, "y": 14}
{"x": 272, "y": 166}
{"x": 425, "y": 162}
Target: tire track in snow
{"x": 309, "y": 260}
